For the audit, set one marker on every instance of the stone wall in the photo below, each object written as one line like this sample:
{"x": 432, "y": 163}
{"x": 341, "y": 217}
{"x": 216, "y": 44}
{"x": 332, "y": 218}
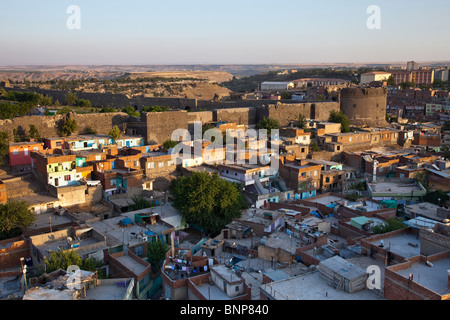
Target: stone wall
{"x": 48, "y": 126}
{"x": 364, "y": 106}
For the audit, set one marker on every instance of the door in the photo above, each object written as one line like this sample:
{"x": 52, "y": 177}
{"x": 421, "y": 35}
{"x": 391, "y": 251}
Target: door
{"x": 56, "y": 182}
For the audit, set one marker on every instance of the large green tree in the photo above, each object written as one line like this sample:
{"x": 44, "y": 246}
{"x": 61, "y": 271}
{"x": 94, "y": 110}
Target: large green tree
{"x": 4, "y": 147}
{"x": 156, "y": 253}
{"x": 340, "y": 117}
{"x": 63, "y": 259}
{"x": 115, "y": 133}
{"x": 15, "y": 215}
{"x": 69, "y": 126}
{"x": 269, "y": 124}
{"x": 207, "y": 201}
{"x": 71, "y": 98}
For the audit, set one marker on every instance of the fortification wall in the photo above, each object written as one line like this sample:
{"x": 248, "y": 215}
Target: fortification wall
{"x": 48, "y": 126}
{"x": 285, "y": 113}
{"x": 364, "y": 106}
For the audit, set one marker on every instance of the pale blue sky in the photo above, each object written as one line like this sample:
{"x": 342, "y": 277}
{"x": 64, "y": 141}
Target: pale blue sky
{"x": 222, "y": 32}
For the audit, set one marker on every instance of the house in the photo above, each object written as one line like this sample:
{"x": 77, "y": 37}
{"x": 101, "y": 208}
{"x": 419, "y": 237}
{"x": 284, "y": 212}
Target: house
{"x": 129, "y": 265}
{"x": 87, "y": 142}
{"x": 85, "y": 240}
{"x": 157, "y": 164}
{"x": 55, "y": 167}
{"x": 302, "y": 177}
{"x": 406, "y": 280}
{"x": 179, "y": 268}
{"x": 129, "y": 141}
{"x": 20, "y": 153}
{"x": 276, "y": 85}
{"x": 221, "y": 283}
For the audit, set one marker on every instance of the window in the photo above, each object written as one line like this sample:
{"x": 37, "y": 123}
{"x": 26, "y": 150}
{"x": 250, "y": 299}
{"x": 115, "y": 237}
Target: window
{"x": 327, "y": 179}
{"x": 170, "y": 163}
{"x": 15, "y": 152}
{"x": 236, "y": 288}
{"x": 58, "y": 143}
{"x": 67, "y": 177}
{"x": 35, "y": 149}
{"x": 136, "y": 163}
{"x": 161, "y": 165}
{"x": 151, "y": 165}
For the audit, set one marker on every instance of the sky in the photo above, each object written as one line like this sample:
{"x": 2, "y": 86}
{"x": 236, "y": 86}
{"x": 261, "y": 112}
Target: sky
{"x": 35, "y": 32}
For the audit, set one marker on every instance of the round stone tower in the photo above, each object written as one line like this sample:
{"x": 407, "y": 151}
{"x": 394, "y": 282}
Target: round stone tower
{"x": 365, "y": 106}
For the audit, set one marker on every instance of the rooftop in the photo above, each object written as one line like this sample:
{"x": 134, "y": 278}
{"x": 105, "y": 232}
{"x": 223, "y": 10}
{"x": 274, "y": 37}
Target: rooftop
{"x": 312, "y": 287}
{"x": 433, "y": 278}
{"x": 108, "y": 289}
{"x": 395, "y": 187}
{"x": 404, "y": 244}
{"x": 131, "y": 264}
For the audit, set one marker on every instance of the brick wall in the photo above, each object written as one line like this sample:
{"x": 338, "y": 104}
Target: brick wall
{"x": 397, "y": 287}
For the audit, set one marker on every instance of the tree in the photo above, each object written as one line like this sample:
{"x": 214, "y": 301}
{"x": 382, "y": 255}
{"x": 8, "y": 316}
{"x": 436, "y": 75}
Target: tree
{"x": 69, "y": 126}
{"x": 4, "y": 147}
{"x": 156, "y": 253}
{"x": 84, "y": 103}
{"x": 314, "y": 147}
{"x": 34, "y": 132}
{"x": 301, "y": 122}
{"x": 63, "y": 259}
{"x": 388, "y": 225}
{"x": 115, "y": 133}
{"x": 107, "y": 109}
{"x": 71, "y": 98}
{"x": 446, "y": 126}
{"x": 15, "y": 215}
{"x": 437, "y": 197}
{"x": 169, "y": 144}
{"x": 421, "y": 177}
{"x": 269, "y": 124}
{"x": 140, "y": 202}
{"x": 207, "y": 201}
{"x": 47, "y": 101}
{"x": 340, "y": 117}
{"x": 131, "y": 111}
{"x": 391, "y": 81}
{"x": 155, "y": 109}
{"x": 16, "y": 136}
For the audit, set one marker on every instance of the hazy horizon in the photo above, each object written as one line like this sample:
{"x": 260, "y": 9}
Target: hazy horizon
{"x": 222, "y": 33}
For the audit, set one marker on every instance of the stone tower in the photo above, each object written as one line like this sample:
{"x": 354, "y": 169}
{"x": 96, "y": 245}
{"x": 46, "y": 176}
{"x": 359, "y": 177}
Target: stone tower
{"x": 365, "y": 106}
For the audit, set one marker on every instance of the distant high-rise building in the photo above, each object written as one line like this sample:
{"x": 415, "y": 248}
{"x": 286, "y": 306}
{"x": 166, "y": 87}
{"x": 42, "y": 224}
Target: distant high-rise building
{"x": 441, "y": 74}
{"x": 412, "y": 65}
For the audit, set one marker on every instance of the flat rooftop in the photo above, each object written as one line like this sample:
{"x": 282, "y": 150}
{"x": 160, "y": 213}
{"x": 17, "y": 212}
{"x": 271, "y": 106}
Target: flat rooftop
{"x": 405, "y": 244}
{"x": 312, "y": 287}
{"x": 109, "y": 289}
{"x": 212, "y": 292}
{"x": 434, "y": 278}
{"x": 116, "y": 234}
{"x": 424, "y": 209}
{"x": 226, "y": 273}
{"x": 283, "y": 241}
{"x": 45, "y": 220}
{"x": 394, "y": 187}
{"x": 131, "y": 264}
